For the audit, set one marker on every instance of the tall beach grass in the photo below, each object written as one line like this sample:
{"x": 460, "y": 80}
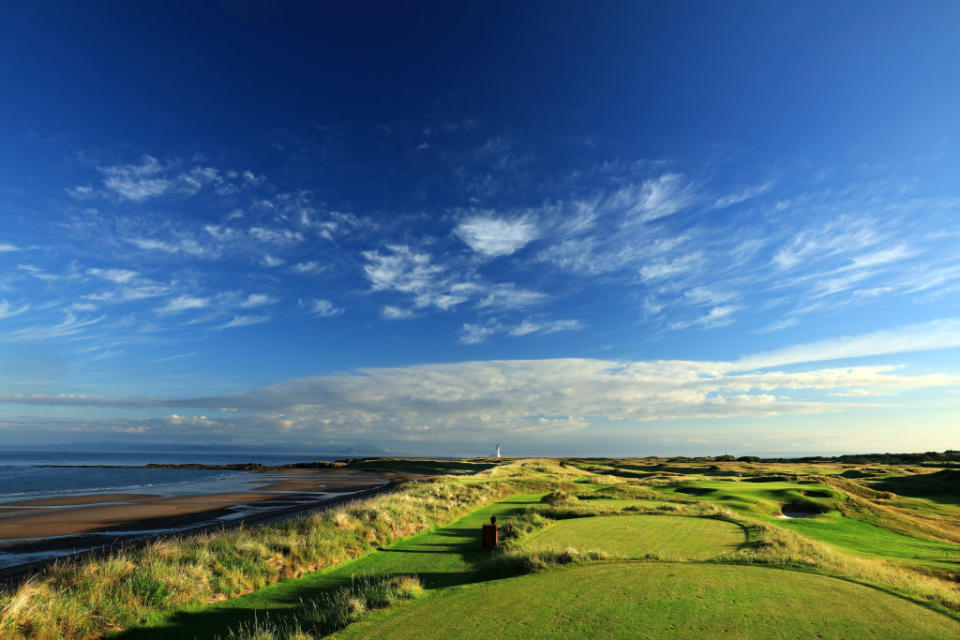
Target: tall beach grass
{"x": 78, "y": 600}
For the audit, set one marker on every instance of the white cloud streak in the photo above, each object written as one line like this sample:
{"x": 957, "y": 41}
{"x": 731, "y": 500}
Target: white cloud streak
{"x": 257, "y": 300}
{"x": 7, "y": 310}
{"x": 136, "y": 182}
{"x": 184, "y": 303}
{"x": 391, "y": 312}
{"x": 324, "y": 309}
{"x": 480, "y": 332}
{"x": 472, "y": 401}
{"x": 492, "y": 236}
{"x": 403, "y": 270}
{"x": 741, "y": 196}
{"x": 927, "y": 336}
{"x": 245, "y": 321}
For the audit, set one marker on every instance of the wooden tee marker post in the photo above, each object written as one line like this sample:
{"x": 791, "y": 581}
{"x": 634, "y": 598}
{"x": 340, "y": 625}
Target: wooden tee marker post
{"x": 491, "y": 535}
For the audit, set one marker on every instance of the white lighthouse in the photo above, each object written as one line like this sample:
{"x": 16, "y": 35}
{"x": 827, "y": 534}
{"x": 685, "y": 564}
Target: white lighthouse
{"x": 498, "y": 449}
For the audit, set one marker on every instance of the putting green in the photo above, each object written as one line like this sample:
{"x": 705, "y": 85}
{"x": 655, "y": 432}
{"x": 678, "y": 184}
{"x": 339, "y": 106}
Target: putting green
{"x": 667, "y": 537}
{"x": 659, "y": 601}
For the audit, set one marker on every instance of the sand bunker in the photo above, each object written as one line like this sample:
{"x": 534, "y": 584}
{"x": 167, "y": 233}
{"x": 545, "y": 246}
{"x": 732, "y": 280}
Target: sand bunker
{"x": 811, "y": 493}
{"x": 790, "y": 511}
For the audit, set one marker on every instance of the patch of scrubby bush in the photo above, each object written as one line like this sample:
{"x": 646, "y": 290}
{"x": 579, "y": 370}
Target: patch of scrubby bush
{"x": 559, "y": 497}
{"x": 333, "y": 611}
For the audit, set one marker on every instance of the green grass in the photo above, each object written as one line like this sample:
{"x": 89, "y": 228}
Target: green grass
{"x": 744, "y": 592}
{"x": 762, "y": 499}
{"x": 870, "y": 540}
{"x": 439, "y": 558}
{"x": 663, "y": 601}
{"x": 620, "y": 503}
{"x": 667, "y": 537}
{"x": 756, "y": 499}
{"x": 448, "y": 559}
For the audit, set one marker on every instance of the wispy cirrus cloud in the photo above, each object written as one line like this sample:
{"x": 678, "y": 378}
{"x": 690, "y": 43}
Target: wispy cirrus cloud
{"x": 187, "y": 246}
{"x": 118, "y": 276}
{"x": 937, "y": 334}
{"x": 136, "y": 182}
{"x": 178, "y": 356}
{"x": 308, "y": 267}
{"x": 184, "y": 303}
{"x": 8, "y": 310}
{"x": 748, "y": 193}
{"x": 70, "y": 326}
{"x": 509, "y": 296}
{"x": 477, "y": 333}
{"x": 716, "y": 317}
{"x": 245, "y": 321}
{"x": 654, "y": 198}
{"x": 323, "y": 308}
{"x": 430, "y": 284}
{"x": 151, "y": 178}
{"x": 257, "y": 300}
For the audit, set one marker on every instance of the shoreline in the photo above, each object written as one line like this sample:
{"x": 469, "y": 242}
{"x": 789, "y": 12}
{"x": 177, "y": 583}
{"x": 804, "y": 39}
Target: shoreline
{"x": 37, "y": 532}
{"x": 239, "y": 466}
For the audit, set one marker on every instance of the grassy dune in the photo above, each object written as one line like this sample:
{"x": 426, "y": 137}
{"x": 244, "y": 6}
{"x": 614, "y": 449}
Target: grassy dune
{"x": 843, "y": 518}
{"x": 86, "y": 599}
{"x": 664, "y": 601}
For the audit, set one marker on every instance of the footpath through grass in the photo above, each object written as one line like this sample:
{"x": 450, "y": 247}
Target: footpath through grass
{"x": 443, "y": 557}
{"x": 663, "y": 601}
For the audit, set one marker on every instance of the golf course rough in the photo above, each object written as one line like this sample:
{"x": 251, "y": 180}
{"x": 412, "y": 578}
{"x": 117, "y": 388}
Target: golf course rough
{"x": 629, "y": 536}
{"x": 662, "y": 601}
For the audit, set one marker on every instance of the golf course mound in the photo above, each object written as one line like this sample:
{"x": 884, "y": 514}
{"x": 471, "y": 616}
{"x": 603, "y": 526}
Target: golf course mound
{"x": 666, "y": 537}
{"x": 696, "y": 491}
{"x": 659, "y": 601}
{"x": 767, "y": 479}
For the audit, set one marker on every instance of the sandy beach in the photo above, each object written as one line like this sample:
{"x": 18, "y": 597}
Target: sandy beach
{"x": 40, "y": 528}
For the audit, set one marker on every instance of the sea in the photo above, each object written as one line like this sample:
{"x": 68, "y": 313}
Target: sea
{"x": 23, "y": 475}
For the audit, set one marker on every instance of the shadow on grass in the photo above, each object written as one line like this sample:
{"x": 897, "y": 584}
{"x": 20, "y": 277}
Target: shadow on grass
{"x": 459, "y": 550}
{"x": 941, "y": 486}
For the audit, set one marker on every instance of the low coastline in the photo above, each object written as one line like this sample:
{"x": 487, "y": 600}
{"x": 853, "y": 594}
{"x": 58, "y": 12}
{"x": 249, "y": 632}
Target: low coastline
{"x": 242, "y": 466}
{"x": 35, "y": 532}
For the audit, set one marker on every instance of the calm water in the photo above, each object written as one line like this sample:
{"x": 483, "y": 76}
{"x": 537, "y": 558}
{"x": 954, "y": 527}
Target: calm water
{"x": 22, "y": 478}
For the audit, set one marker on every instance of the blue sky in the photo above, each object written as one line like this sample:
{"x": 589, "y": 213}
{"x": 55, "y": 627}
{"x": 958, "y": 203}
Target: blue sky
{"x": 639, "y": 228}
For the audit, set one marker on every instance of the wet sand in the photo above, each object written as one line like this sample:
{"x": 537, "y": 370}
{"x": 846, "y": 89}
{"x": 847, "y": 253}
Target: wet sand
{"x": 49, "y": 527}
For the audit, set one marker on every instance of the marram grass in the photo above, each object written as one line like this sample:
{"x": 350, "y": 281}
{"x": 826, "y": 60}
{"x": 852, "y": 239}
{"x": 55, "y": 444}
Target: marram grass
{"x": 81, "y": 600}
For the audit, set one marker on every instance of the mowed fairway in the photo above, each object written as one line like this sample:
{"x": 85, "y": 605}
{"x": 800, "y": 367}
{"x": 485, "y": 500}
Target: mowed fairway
{"x": 667, "y": 537}
{"x": 659, "y": 601}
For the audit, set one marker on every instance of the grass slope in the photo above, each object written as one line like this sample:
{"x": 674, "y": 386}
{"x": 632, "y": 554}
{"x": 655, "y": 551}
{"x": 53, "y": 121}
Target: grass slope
{"x": 762, "y": 499}
{"x": 663, "y": 601}
{"x": 440, "y": 558}
{"x": 667, "y": 537}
